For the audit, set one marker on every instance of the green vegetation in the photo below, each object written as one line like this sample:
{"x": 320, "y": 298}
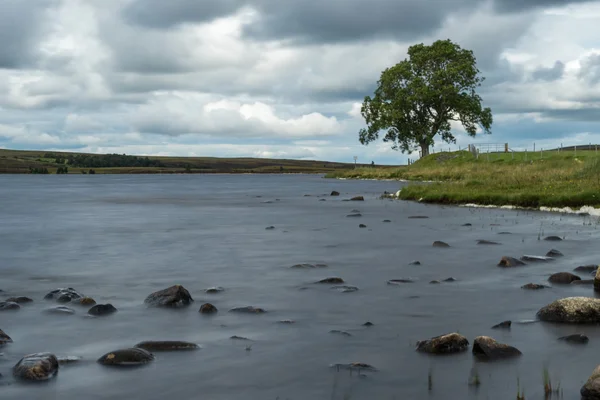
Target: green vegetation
{"x": 416, "y": 99}
{"x": 25, "y": 162}
{"x": 550, "y": 179}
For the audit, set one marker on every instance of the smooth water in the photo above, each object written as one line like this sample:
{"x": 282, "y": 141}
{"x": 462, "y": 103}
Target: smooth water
{"x": 119, "y": 238}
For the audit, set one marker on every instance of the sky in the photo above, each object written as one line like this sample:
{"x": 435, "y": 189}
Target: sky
{"x": 280, "y": 78}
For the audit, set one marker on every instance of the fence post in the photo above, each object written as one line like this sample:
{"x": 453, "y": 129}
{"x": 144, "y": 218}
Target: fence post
{"x": 541, "y": 154}
{"x": 506, "y": 147}
{"x": 575, "y": 150}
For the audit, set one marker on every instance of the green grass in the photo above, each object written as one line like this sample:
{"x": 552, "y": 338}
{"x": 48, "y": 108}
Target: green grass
{"x": 20, "y": 161}
{"x": 554, "y": 179}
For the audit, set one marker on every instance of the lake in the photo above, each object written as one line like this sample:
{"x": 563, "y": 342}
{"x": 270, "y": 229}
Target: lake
{"x": 118, "y": 238}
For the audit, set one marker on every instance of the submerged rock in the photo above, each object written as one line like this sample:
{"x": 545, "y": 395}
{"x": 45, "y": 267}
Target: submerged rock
{"x": 444, "y": 344}
{"x": 338, "y": 332}
{"x": 4, "y": 338}
{"x": 399, "y": 281}
{"x": 554, "y": 253}
{"x": 414, "y": 262}
{"x": 214, "y": 290}
{"x": 36, "y": 367}
{"x": 269, "y": 228}
{"x": 9, "y": 306}
{"x": 509, "y": 262}
{"x": 362, "y": 226}
{"x": 530, "y": 258}
{"x": 19, "y": 300}
{"x": 248, "y": 310}
{"x": 591, "y": 389}
{"x": 575, "y": 310}
{"x": 331, "y": 280}
{"x": 85, "y": 301}
{"x": 467, "y": 224}
{"x": 438, "y": 243}
{"x": 286, "y": 321}
{"x": 553, "y": 238}
{"x": 60, "y": 310}
{"x": 368, "y": 324}
{"x": 357, "y": 198}
{"x": 418, "y": 217}
{"x": 207, "y": 308}
{"x": 587, "y": 268}
{"x": 487, "y": 348}
{"x": 126, "y": 357}
{"x": 334, "y": 193}
{"x": 563, "y": 277}
{"x": 63, "y": 360}
{"x": 355, "y": 366}
{"x": 386, "y": 221}
{"x": 236, "y": 337}
{"x": 486, "y": 242}
{"x": 503, "y": 325}
{"x": 583, "y": 282}
{"x": 451, "y": 279}
{"x": 166, "y": 345}
{"x": 533, "y": 286}
{"x": 174, "y": 296}
{"x": 308, "y": 266}
{"x": 434, "y": 282}
{"x": 63, "y": 295}
{"x": 577, "y": 338}
{"x": 102, "y": 309}
{"x": 345, "y": 288}
{"x": 354, "y": 215}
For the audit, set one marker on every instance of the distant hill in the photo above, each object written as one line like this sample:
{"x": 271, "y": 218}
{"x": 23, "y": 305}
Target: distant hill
{"x": 26, "y": 161}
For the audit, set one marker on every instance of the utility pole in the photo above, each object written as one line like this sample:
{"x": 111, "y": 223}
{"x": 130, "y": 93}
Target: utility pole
{"x": 355, "y": 158}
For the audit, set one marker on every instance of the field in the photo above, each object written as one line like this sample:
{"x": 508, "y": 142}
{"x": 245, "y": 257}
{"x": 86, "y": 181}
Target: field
{"x": 17, "y": 161}
{"x": 551, "y": 179}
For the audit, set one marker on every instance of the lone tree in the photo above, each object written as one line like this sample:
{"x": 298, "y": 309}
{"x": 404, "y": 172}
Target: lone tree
{"x": 416, "y": 99}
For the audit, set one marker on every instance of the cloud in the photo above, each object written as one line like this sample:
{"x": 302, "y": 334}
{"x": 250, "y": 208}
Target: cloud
{"x": 549, "y": 74}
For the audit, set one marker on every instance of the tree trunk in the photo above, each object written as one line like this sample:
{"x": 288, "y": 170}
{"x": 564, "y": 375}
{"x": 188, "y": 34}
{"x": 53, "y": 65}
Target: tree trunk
{"x": 424, "y": 149}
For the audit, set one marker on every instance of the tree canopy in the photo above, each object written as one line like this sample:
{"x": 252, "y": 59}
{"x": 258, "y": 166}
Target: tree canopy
{"x": 417, "y": 98}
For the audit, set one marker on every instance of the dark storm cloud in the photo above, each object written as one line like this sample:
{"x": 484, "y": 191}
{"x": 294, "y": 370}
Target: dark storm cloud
{"x": 549, "y": 74}
{"x": 21, "y": 25}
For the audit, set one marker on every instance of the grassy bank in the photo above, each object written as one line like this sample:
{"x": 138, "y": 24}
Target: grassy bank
{"x": 20, "y": 161}
{"x": 552, "y": 179}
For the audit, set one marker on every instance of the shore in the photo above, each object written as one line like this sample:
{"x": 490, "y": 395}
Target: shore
{"x": 551, "y": 180}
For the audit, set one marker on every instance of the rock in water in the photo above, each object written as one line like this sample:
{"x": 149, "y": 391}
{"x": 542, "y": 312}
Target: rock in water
{"x": 577, "y": 338}
{"x": 166, "y": 345}
{"x": 59, "y": 311}
{"x": 563, "y": 277}
{"x": 334, "y": 193}
{"x": 354, "y": 215}
{"x": 444, "y": 344}
{"x": 414, "y": 262}
{"x": 248, "y": 310}
{"x": 597, "y": 281}
{"x": 9, "y": 306}
{"x": 308, "y": 266}
{"x": 487, "y": 348}
{"x": 591, "y": 389}
{"x": 486, "y": 242}
{"x": 362, "y": 226}
{"x": 332, "y": 280}
{"x": 368, "y": 323}
{"x": 533, "y": 286}
{"x": 102, "y": 309}
{"x": 536, "y": 258}
{"x": 503, "y": 325}
{"x": 126, "y": 357}
{"x": 213, "y": 290}
{"x": 270, "y": 228}
{"x": 63, "y": 295}
{"x": 85, "y": 301}
{"x": 418, "y": 217}
{"x": 207, "y": 308}
{"x": 438, "y": 243}
{"x": 36, "y": 367}
{"x": 338, "y": 332}
{"x": 574, "y": 310}
{"x": 357, "y": 198}
{"x": 509, "y": 262}
{"x": 587, "y": 268}
{"x": 19, "y": 300}
{"x": 4, "y": 338}
{"x": 174, "y": 296}
{"x": 583, "y": 282}
{"x": 554, "y": 253}
{"x": 553, "y": 238}
{"x": 345, "y": 288}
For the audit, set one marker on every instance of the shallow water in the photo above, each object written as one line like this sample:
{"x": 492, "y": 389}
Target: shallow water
{"x": 119, "y": 238}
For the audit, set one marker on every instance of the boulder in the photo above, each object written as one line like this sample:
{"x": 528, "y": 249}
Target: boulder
{"x": 126, "y": 357}
{"x": 85, "y": 301}
{"x": 63, "y": 295}
{"x": 487, "y": 348}
{"x": 102, "y": 309}
{"x": 19, "y": 300}
{"x": 36, "y": 367}
{"x": 486, "y": 242}
{"x": 553, "y": 238}
{"x": 4, "y": 338}
{"x": 444, "y": 344}
{"x": 554, "y": 253}
{"x": 248, "y": 310}
{"x": 509, "y": 262}
{"x": 166, "y": 345}
{"x": 9, "y": 306}
{"x": 563, "y": 277}
{"x": 591, "y": 389}
{"x": 574, "y": 310}
{"x": 207, "y": 308}
{"x": 597, "y": 281}
{"x": 60, "y": 310}
{"x": 533, "y": 286}
{"x": 587, "y": 268}
{"x": 577, "y": 338}
{"x": 332, "y": 280}
{"x": 438, "y": 243}
{"x": 357, "y": 198}
{"x": 503, "y": 325}
{"x": 334, "y": 193}
{"x": 174, "y": 296}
